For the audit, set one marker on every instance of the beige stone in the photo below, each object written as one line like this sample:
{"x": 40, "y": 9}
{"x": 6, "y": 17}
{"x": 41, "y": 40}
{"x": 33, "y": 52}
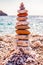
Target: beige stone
{"x": 37, "y": 44}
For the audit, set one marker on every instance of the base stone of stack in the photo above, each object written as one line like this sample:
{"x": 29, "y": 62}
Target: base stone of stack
{"x": 23, "y": 43}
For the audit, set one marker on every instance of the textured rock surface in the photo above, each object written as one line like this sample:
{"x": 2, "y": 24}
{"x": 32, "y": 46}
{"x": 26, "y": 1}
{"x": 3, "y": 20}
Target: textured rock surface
{"x": 22, "y": 58}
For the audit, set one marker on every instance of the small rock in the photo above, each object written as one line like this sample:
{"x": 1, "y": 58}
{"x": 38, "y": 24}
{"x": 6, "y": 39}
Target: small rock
{"x": 37, "y": 44}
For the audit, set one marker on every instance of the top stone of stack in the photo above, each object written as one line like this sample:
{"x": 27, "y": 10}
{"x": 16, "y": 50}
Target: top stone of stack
{"x": 22, "y": 6}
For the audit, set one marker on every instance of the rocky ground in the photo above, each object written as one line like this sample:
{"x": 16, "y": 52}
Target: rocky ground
{"x": 8, "y": 48}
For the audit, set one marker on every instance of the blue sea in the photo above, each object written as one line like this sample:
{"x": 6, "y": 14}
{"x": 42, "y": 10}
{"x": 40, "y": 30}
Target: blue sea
{"x": 8, "y": 23}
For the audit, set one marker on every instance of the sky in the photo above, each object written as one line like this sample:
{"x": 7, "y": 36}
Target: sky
{"x": 34, "y": 7}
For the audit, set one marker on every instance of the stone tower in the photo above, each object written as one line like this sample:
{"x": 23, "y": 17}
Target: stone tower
{"x": 22, "y": 27}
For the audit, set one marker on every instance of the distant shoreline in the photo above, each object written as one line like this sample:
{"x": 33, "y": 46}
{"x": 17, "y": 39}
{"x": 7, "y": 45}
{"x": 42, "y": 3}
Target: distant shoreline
{"x": 2, "y": 13}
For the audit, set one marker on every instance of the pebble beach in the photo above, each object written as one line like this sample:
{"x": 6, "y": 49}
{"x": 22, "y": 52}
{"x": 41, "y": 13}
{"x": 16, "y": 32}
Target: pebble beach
{"x": 8, "y": 47}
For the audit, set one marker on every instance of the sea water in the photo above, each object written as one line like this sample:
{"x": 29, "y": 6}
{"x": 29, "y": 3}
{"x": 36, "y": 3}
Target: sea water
{"x": 8, "y": 23}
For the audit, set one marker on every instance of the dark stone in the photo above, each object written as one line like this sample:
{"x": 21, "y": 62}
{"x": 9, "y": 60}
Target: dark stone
{"x": 10, "y": 63}
{"x": 18, "y": 59}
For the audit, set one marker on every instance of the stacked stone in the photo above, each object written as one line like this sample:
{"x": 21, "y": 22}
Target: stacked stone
{"x": 22, "y": 27}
